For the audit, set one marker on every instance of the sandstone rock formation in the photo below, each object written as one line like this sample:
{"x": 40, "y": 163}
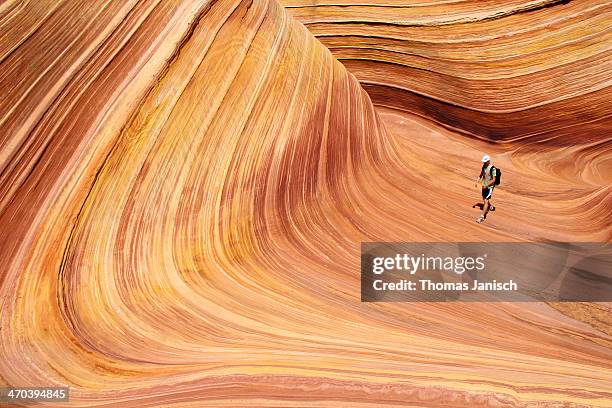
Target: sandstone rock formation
{"x": 184, "y": 186}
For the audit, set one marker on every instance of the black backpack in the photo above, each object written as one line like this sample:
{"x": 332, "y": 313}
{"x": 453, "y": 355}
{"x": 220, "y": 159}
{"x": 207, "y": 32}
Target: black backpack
{"x": 497, "y": 175}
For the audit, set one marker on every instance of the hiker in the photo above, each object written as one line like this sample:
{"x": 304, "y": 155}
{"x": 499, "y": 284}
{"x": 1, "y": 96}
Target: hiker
{"x": 488, "y": 177}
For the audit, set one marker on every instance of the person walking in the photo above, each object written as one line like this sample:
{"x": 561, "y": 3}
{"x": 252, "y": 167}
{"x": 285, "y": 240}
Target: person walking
{"x": 487, "y": 178}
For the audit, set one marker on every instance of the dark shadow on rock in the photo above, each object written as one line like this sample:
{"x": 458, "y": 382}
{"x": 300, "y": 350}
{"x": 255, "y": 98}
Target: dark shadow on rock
{"x": 588, "y": 280}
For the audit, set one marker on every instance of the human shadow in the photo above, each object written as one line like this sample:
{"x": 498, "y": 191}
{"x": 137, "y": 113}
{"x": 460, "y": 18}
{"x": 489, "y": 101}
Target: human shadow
{"x": 481, "y": 206}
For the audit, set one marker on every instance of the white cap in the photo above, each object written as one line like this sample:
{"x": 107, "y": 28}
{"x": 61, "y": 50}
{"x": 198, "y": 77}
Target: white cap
{"x": 485, "y": 158}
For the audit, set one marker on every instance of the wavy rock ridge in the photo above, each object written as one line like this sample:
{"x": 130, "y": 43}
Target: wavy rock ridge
{"x": 183, "y": 189}
{"x": 500, "y": 70}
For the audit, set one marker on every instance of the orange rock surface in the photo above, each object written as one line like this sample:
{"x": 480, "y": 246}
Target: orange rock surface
{"x": 184, "y": 186}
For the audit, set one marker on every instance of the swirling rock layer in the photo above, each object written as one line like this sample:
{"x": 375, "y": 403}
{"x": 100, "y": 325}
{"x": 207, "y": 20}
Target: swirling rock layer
{"x": 500, "y": 70}
{"x": 184, "y": 186}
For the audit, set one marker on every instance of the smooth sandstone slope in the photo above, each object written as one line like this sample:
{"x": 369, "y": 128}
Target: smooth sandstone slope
{"x": 525, "y": 80}
{"x": 184, "y": 189}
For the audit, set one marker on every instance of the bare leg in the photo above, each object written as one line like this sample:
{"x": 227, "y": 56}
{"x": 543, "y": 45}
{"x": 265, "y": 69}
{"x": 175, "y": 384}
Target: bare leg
{"x": 487, "y": 206}
{"x": 485, "y": 210}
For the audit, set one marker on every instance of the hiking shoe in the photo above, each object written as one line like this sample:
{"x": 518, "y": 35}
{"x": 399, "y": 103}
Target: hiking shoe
{"x": 480, "y": 219}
